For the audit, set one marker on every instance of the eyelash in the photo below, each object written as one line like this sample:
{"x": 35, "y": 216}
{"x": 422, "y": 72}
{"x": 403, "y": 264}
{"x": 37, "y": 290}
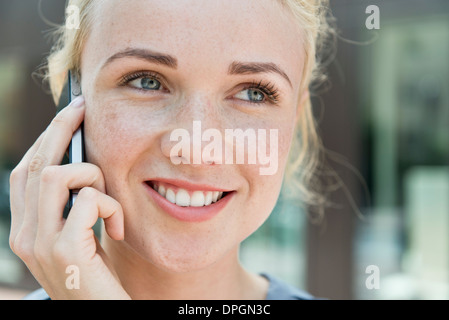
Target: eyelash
{"x": 126, "y": 79}
{"x": 268, "y": 89}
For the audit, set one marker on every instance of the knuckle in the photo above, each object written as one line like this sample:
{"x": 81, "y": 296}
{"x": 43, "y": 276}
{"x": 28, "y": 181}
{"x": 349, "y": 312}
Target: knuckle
{"x": 12, "y": 243}
{"x": 88, "y": 193}
{"x": 17, "y": 174}
{"x": 22, "y": 247}
{"x": 98, "y": 178}
{"x": 58, "y": 121}
{"x": 49, "y": 174}
{"x": 61, "y": 123}
{"x": 98, "y": 173}
{"x": 37, "y": 163}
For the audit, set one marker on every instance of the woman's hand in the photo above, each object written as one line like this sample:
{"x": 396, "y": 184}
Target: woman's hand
{"x": 64, "y": 254}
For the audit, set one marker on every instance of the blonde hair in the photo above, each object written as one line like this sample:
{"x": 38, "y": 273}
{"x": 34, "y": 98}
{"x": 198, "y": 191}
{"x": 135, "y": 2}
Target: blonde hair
{"x": 305, "y": 168}
{"x": 67, "y": 49}
{"x": 313, "y": 17}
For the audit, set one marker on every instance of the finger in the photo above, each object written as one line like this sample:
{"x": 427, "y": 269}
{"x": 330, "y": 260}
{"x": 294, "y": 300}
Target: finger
{"x": 17, "y": 187}
{"x": 56, "y": 181}
{"x": 50, "y": 152}
{"x": 21, "y": 240}
{"x": 90, "y": 205}
{"x": 57, "y": 138}
{"x": 24, "y": 163}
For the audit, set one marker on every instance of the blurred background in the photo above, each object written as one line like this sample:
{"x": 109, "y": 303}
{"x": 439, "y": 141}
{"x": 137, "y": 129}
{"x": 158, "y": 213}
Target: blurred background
{"x": 385, "y": 120}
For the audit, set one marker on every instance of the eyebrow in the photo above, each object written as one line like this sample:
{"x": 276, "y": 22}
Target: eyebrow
{"x": 256, "y": 67}
{"x": 235, "y": 68}
{"x": 147, "y": 55}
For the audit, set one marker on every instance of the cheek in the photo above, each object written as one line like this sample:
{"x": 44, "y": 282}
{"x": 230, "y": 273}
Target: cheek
{"x": 114, "y": 141}
{"x": 264, "y": 190}
{"x": 104, "y": 137}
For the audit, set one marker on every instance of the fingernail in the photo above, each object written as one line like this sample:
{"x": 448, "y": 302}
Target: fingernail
{"x": 78, "y": 102}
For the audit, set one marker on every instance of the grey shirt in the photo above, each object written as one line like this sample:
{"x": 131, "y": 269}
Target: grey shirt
{"x": 279, "y": 290}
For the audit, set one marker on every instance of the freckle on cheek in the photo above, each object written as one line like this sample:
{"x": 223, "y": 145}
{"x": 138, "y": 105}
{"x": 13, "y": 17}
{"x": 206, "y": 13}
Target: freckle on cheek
{"x": 111, "y": 117}
{"x": 109, "y": 126}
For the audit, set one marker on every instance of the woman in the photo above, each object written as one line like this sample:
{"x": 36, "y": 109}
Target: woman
{"x": 172, "y": 226}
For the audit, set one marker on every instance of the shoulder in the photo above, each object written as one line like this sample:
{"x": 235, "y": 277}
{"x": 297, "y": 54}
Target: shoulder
{"x": 39, "y": 294}
{"x": 279, "y": 290}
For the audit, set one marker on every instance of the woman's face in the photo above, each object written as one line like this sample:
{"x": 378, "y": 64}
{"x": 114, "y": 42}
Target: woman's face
{"x": 151, "y": 67}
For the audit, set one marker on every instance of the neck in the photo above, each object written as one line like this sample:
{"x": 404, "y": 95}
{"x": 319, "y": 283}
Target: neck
{"x": 225, "y": 279}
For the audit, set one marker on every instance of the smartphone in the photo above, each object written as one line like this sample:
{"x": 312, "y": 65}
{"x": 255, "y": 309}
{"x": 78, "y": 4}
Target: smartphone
{"x": 76, "y": 148}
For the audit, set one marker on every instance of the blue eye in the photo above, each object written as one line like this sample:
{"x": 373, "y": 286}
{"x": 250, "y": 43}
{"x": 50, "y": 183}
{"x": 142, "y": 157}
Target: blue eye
{"x": 258, "y": 93}
{"x": 252, "y": 95}
{"x": 146, "y": 83}
{"x": 143, "y": 80}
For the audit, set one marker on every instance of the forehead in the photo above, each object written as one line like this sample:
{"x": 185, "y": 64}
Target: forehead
{"x": 210, "y": 31}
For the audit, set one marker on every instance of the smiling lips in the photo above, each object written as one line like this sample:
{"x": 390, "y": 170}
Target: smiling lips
{"x": 188, "y": 202}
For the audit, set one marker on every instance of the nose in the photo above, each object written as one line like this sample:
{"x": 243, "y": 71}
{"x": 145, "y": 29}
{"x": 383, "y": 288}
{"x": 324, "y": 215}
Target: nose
{"x": 195, "y": 138}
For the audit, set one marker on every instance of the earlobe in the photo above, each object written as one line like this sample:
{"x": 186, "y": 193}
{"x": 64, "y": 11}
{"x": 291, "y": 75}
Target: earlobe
{"x": 305, "y": 96}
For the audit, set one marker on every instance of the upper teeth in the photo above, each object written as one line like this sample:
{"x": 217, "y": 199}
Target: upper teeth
{"x": 183, "y": 198}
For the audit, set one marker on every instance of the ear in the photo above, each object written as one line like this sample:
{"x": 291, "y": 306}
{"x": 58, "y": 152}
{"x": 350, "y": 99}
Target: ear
{"x": 302, "y": 101}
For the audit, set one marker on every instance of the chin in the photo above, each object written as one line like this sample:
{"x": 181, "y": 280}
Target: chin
{"x": 180, "y": 253}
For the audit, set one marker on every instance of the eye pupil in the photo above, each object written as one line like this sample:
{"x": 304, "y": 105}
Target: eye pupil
{"x": 150, "y": 84}
{"x": 255, "y": 95}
